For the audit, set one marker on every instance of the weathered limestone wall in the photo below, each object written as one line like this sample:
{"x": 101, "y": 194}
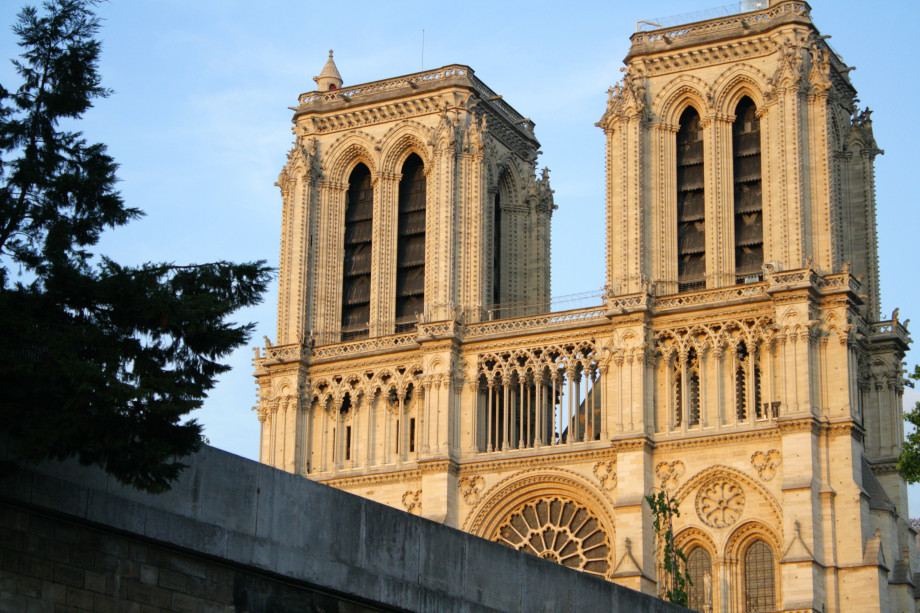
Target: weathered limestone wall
{"x": 239, "y": 535}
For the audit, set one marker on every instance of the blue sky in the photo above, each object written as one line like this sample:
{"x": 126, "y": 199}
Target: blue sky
{"x": 200, "y": 124}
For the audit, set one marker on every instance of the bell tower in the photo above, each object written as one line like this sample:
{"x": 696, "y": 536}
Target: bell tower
{"x": 413, "y": 199}
{"x": 737, "y": 362}
{"x": 741, "y": 240}
{"x": 736, "y": 151}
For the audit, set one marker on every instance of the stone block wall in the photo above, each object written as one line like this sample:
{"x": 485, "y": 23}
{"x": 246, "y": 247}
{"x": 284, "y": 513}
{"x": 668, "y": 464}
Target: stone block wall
{"x": 235, "y": 535}
{"x": 49, "y": 563}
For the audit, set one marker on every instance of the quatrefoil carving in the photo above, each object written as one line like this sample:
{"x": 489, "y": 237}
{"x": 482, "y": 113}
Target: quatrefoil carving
{"x": 412, "y": 501}
{"x": 471, "y": 488}
{"x": 669, "y": 474}
{"x": 606, "y": 474}
{"x": 766, "y": 463}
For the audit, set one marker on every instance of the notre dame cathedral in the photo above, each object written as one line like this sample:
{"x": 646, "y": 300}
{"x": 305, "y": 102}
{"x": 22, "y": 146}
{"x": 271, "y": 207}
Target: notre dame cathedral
{"x": 738, "y": 359}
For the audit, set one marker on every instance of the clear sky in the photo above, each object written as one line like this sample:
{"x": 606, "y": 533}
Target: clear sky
{"x": 200, "y": 123}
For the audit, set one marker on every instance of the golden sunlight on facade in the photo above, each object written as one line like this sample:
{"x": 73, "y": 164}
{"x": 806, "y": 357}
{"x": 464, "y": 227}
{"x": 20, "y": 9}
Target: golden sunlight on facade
{"x": 737, "y": 359}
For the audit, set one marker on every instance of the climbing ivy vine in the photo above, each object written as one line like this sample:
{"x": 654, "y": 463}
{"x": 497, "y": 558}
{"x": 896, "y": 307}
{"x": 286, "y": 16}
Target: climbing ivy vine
{"x": 673, "y": 577}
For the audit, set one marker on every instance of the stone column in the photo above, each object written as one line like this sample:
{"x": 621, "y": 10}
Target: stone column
{"x": 424, "y": 417}
{"x": 664, "y": 216}
{"x": 440, "y": 230}
{"x": 383, "y": 254}
{"x": 294, "y": 310}
{"x": 605, "y": 410}
{"x": 719, "y": 188}
{"x": 626, "y": 171}
{"x": 328, "y": 291}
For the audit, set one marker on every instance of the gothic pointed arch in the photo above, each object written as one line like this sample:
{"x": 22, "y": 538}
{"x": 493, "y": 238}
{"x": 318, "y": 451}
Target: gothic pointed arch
{"x": 357, "y": 253}
{"x": 755, "y": 549}
{"x": 682, "y": 92}
{"x": 507, "y": 185}
{"x": 724, "y": 480}
{"x": 736, "y": 82}
{"x": 410, "y": 242}
{"x": 691, "y": 201}
{"x": 700, "y": 551}
{"x": 400, "y": 142}
{"x": 748, "y": 191}
{"x": 346, "y": 153}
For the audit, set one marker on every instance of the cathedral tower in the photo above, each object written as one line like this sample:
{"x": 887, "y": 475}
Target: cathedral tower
{"x": 738, "y": 360}
{"x": 406, "y": 200}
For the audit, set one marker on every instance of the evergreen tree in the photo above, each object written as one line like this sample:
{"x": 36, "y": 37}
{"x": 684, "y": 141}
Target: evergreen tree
{"x": 97, "y": 361}
{"x": 909, "y": 460}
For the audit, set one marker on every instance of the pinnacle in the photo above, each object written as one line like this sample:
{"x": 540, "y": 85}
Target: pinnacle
{"x": 329, "y": 75}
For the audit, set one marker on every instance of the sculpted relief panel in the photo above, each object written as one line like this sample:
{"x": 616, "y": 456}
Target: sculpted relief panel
{"x": 766, "y": 463}
{"x": 606, "y": 474}
{"x": 471, "y": 488}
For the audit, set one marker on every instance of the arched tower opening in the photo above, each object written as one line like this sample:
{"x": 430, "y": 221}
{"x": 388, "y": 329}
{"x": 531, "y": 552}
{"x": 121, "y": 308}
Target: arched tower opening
{"x": 748, "y": 213}
{"x": 356, "y": 269}
{"x": 691, "y": 204}
{"x": 410, "y": 244}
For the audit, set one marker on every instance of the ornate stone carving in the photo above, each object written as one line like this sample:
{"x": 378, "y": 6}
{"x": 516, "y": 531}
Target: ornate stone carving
{"x": 720, "y": 503}
{"x": 560, "y": 530}
{"x": 669, "y": 474}
{"x": 606, "y": 474}
{"x": 412, "y": 501}
{"x": 751, "y": 329}
{"x": 766, "y": 463}
{"x": 628, "y": 98}
{"x": 534, "y": 463}
{"x": 472, "y": 366}
{"x": 471, "y": 488}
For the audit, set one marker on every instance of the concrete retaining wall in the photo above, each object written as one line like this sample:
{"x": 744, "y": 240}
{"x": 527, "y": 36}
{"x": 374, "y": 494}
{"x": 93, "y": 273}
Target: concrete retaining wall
{"x": 235, "y": 535}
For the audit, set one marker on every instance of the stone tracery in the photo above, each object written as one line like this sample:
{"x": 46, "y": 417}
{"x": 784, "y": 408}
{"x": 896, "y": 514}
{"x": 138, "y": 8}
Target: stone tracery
{"x": 559, "y": 530}
{"x": 720, "y": 503}
{"x": 539, "y": 396}
{"x": 652, "y": 376}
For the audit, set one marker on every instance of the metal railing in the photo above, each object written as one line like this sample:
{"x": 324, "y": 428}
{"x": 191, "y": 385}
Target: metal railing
{"x": 736, "y": 8}
{"x": 567, "y": 302}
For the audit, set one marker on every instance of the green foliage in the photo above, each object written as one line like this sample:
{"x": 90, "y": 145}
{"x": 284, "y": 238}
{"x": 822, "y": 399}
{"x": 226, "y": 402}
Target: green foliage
{"x": 97, "y": 361}
{"x": 673, "y": 578}
{"x": 909, "y": 460}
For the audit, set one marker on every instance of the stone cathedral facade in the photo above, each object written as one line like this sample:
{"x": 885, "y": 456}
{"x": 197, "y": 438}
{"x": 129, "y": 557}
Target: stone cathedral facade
{"x": 738, "y": 359}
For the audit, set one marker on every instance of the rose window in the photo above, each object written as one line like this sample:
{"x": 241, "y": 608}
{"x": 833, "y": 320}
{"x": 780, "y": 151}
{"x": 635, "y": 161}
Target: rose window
{"x": 559, "y": 530}
{"x": 720, "y": 504}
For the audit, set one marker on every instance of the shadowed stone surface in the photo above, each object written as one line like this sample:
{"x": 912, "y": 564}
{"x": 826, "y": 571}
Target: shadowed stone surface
{"x": 234, "y": 533}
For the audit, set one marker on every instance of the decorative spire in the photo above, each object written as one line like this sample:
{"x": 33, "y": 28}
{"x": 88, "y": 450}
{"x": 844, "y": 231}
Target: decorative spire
{"x": 329, "y": 78}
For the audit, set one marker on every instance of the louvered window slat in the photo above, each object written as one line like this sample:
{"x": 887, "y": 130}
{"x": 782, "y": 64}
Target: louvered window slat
{"x": 691, "y": 197}
{"x": 748, "y": 191}
{"x": 410, "y": 244}
{"x": 356, "y": 269}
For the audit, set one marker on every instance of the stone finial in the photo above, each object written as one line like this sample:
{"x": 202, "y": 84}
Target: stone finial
{"x": 329, "y": 78}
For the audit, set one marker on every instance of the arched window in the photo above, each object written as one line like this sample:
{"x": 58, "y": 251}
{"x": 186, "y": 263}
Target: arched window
{"x": 747, "y": 383}
{"x": 699, "y": 565}
{"x": 691, "y": 209}
{"x": 741, "y": 382}
{"x": 678, "y": 393}
{"x": 748, "y": 198}
{"x": 693, "y": 389}
{"x": 410, "y": 244}
{"x": 497, "y": 249}
{"x": 691, "y": 366}
{"x": 356, "y": 271}
{"x": 759, "y": 581}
